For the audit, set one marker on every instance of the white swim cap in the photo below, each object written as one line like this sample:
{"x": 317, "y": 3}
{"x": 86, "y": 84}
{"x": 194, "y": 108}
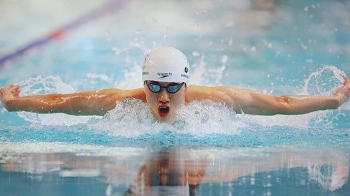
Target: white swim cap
{"x": 166, "y": 64}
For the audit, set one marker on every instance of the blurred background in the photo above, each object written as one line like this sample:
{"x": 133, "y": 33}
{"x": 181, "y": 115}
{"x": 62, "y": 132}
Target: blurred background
{"x": 279, "y": 41}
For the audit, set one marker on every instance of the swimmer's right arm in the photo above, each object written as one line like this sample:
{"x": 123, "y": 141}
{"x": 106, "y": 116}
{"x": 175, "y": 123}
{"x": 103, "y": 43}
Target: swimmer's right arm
{"x": 80, "y": 103}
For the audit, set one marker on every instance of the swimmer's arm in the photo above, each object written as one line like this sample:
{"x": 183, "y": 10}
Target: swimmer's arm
{"x": 80, "y": 103}
{"x": 265, "y": 104}
{"x": 251, "y": 102}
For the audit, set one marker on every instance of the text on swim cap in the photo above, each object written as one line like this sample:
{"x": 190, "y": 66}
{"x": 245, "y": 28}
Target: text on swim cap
{"x": 184, "y": 75}
{"x": 164, "y": 75}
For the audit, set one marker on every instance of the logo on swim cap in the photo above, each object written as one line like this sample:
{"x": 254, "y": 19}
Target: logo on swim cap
{"x": 186, "y": 69}
{"x": 166, "y": 64}
{"x": 164, "y": 75}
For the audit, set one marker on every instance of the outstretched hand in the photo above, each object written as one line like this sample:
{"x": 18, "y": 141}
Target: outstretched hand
{"x": 9, "y": 92}
{"x": 343, "y": 92}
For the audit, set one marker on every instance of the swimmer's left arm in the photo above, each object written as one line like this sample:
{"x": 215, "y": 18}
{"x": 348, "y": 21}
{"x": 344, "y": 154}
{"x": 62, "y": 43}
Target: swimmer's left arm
{"x": 265, "y": 104}
{"x": 301, "y": 104}
{"x": 251, "y": 102}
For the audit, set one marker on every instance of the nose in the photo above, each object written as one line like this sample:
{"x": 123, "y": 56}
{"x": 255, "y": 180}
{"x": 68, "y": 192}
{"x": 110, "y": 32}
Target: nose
{"x": 163, "y": 96}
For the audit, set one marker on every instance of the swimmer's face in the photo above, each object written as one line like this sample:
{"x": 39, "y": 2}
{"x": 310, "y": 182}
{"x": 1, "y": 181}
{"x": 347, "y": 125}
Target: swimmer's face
{"x": 164, "y": 104}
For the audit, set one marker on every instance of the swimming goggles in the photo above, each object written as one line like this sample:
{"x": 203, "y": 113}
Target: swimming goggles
{"x": 155, "y": 87}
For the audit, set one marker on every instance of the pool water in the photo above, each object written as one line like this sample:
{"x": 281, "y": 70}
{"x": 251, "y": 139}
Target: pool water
{"x": 289, "y": 47}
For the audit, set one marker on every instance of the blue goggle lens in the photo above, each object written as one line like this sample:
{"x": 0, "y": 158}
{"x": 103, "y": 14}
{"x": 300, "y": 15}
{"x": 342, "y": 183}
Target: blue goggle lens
{"x": 155, "y": 87}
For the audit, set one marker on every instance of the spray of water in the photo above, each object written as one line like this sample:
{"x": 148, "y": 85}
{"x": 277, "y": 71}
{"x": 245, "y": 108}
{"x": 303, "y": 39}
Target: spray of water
{"x": 45, "y": 85}
{"x": 132, "y": 117}
{"x": 324, "y": 81}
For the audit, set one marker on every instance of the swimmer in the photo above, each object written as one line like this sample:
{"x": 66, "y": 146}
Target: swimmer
{"x": 165, "y": 73}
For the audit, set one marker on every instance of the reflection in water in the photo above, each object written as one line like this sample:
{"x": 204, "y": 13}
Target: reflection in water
{"x": 170, "y": 172}
{"x": 130, "y": 171}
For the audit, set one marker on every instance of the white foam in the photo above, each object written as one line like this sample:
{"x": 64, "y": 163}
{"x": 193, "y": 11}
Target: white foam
{"x": 133, "y": 117}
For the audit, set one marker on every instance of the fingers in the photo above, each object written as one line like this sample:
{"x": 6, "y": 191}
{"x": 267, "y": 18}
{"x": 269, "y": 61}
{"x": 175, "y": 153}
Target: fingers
{"x": 15, "y": 90}
{"x": 343, "y": 93}
{"x": 347, "y": 85}
{"x": 11, "y": 90}
{"x": 346, "y": 89}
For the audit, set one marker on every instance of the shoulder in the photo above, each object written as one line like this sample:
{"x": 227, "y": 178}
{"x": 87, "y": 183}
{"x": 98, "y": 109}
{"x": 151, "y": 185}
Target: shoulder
{"x": 217, "y": 94}
{"x": 109, "y": 91}
{"x": 123, "y": 94}
{"x": 110, "y": 94}
{"x": 197, "y": 93}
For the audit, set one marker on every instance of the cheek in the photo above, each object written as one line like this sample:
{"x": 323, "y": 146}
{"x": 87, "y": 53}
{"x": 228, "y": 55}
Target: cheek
{"x": 178, "y": 99}
{"x": 150, "y": 99}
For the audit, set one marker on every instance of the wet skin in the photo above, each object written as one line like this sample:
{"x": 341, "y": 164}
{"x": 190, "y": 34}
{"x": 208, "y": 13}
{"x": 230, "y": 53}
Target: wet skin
{"x": 164, "y": 105}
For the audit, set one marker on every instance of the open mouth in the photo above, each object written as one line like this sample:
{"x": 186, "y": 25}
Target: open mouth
{"x": 163, "y": 111}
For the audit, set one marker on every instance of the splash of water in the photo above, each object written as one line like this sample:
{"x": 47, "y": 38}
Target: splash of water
{"x": 45, "y": 85}
{"x": 132, "y": 118}
{"x": 202, "y": 75}
{"x": 324, "y": 81}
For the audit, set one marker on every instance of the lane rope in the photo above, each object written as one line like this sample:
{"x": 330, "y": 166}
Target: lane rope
{"x": 60, "y": 33}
